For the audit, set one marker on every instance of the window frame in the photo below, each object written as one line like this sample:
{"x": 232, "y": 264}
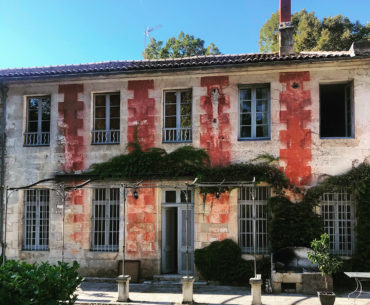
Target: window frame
{"x": 108, "y": 220}
{"x": 27, "y": 221}
{"x": 38, "y": 138}
{"x": 103, "y": 136}
{"x": 253, "y": 88}
{"x": 178, "y": 129}
{"x": 248, "y": 204}
{"x": 350, "y": 87}
{"x": 336, "y": 241}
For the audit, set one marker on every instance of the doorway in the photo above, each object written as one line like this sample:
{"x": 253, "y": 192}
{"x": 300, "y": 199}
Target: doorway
{"x": 175, "y": 229}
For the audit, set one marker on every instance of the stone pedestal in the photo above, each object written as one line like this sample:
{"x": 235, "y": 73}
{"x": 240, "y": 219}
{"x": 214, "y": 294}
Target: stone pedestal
{"x": 187, "y": 289}
{"x": 123, "y": 288}
{"x": 256, "y": 283}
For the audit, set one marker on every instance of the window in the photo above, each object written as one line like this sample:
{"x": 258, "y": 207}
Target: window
{"x": 177, "y": 116}
{"x": 254, "y": 114}
{"x": 38, "y": 121}
{"x": 106, "y": 119}
{"x": 105, "y": 220}
{"x": 36, "y": 220}
{"x": 337, "y": 210}
{"x": 253, "y": 215}
{"x": 336, "y": 111}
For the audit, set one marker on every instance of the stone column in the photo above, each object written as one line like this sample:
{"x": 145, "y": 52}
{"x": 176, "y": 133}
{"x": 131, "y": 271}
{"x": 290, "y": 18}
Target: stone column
{"x": 256, "y": 283}
{"x": 187, "y": 289}
{"x": 123, "y": 288}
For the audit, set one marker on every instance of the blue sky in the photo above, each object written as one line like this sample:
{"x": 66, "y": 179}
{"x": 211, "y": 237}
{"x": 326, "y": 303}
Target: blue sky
{"x": 55, "y": 32}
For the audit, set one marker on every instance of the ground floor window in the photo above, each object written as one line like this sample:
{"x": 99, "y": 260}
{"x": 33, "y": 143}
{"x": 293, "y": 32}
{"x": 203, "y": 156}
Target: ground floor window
{"x": 338, "y": 212}
{"x": 105, "y": 219}
{"x": 36, "y": 220}
{"x": 253, "y": 215}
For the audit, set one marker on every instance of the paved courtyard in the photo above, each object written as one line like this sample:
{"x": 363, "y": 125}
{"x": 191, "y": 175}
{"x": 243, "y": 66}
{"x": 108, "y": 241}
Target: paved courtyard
{"x": 104, "y": 293}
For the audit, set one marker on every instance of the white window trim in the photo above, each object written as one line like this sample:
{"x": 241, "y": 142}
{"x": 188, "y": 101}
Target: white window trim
{"x": 253, "y": 112}
{"x": 104, "y": 136}
{"x": 178, "y": 132}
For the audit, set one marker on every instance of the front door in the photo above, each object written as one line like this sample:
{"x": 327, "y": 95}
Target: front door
{"x": 177, "y": 233}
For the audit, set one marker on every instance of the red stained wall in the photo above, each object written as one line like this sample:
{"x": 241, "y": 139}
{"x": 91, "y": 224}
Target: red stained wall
{"x": 141, "y": 222}
{"x": 296, "y": 139}
{"x": 71, "y": 113}
{"x": 215, "y": 136}
{"x": 141, "y": 110}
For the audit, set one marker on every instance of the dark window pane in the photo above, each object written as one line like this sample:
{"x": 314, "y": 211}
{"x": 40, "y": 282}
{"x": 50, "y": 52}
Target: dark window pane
{"x": 114, "y": 124}
{"x": 261, "y": 106}
{"x": 100, "y": 124}
{"x": 33, "y": 115}
{"x": 183, "y": 197}
{"x": 262, "y": 131}
{"x": 170, "y": 196}
{"x": 170, "y": 97}
{"x": 32, "y": 126}
{"x": 170, "y": 122}
{"x": 46, "y": 108}
{"x": 245, "y": 106}
{"x": 245, "y": 132}
{"x": 100, "y": 100}
{"x": 261, "y": 118}
{"x": 261, "y": 93}
{"x": 114, "y": 100}
{"x": 45, "y": 126}
{"x": 171, "y": 109}
{"x": 114, "y": 112}
{"x": 245, "y": 119}
{"x": 100, "y": 112}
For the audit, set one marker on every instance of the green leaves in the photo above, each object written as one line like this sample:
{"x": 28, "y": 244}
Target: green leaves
{"x": 43, "y": 284}
{"x": 331, "y": 34}
{"x": 183, "y": 46}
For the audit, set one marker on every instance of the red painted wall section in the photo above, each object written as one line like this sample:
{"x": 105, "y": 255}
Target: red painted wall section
{"x": 141, "y": 110}
{"x": 219, "y": 213}
{"x": 296, "y": 139}
{"x": 71, "y": 113}
{"x": 215, "y": 136}
{"x": 78, "y": 221}
{"x": 141, "y": 224}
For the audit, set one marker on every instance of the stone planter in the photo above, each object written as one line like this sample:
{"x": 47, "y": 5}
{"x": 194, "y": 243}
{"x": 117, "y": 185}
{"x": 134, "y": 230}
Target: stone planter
{"x": 326, "y": 298}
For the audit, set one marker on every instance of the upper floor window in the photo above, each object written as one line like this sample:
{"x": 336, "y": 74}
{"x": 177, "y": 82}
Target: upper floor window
{"x": 36, "y": 220}
{"x": 38, "y": 121}
{"x": 254, "y": 113}
{"x": 336, "y": 118}
{"x": 177, "y": 116}
{"x": 106, "y": 118}
{"x": 338, "y": 213}
{"x": 253, "y": 218}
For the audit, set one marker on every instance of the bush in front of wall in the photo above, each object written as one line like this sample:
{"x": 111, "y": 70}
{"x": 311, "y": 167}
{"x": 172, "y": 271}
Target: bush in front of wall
{"x": 221, "y": 261}
{"x": 292, "y": 224}
{"x": 38, "y": 284}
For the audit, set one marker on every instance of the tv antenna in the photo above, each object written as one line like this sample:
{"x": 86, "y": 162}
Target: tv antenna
{"x": 147, "y": 32}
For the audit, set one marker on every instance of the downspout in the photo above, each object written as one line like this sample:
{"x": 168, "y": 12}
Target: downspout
{"x": 4, "y": 95}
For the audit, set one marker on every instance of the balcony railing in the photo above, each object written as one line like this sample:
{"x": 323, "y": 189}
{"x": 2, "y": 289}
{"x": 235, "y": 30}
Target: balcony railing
{"x": 105, "y": 136}
{"x": 177, "y": 135}
{"x": 36, "y": 138}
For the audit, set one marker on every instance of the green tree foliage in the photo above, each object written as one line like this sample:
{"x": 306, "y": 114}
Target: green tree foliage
{"x": 182, "y": 46}
{"x": 310, "y": 34}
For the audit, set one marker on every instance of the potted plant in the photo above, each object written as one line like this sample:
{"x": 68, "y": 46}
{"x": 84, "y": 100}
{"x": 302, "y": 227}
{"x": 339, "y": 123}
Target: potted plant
{"x": 327, "y": 264}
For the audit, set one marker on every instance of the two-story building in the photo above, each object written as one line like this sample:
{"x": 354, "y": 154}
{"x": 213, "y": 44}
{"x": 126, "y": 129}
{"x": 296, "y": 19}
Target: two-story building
{"x": 309, "y": 109}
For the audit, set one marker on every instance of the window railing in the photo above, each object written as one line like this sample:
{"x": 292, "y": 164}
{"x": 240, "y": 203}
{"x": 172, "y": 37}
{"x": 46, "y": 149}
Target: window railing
{"x": 36, "y": 138}
{"x": 177, "y": 134}
{"x": 105, "y": 136}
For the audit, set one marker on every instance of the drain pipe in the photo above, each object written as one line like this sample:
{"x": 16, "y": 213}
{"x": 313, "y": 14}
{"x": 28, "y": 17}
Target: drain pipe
{"x": 4, "y": 95}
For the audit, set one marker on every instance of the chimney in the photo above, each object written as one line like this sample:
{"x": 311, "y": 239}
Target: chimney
{"x": 286, "y": 29}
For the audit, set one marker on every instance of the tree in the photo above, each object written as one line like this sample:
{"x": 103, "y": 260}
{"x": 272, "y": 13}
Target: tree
{"x": 310, "y": 34}
{"x": 182, "y": 46}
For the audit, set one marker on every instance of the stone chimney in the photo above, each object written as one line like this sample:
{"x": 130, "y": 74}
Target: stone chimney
{"x": 286, "y": 29}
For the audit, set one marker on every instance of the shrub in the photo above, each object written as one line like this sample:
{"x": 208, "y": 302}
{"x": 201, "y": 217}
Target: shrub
{"x": 292, "y": 224}
{"x": 222, "y": 261}
{"x": 38, "y": 284}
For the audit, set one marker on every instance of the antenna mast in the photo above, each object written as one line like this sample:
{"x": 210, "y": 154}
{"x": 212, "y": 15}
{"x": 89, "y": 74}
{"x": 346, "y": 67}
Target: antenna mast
{"x": 147, "y": 32}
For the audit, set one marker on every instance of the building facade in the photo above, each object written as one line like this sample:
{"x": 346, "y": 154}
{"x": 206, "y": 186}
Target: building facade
{"x": 310, "y": 110}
